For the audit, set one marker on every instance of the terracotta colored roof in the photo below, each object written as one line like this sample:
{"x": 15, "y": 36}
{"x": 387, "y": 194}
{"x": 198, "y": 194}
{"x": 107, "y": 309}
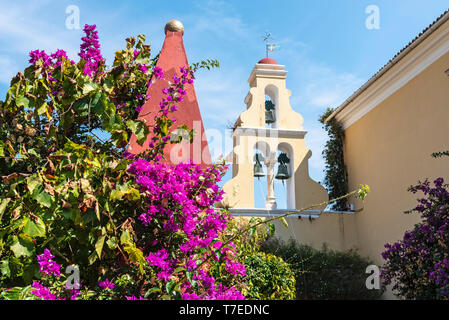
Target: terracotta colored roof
{"x": 171, "y": 58}
{"x": 401, "y": 54}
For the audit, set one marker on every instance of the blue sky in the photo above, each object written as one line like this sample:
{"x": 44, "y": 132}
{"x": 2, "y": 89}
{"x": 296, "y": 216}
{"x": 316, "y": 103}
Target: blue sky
{"x": 325, "y": 45}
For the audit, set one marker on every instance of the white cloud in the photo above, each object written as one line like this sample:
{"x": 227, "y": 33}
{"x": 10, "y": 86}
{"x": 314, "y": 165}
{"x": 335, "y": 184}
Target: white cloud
{"x": 25, "y": 28}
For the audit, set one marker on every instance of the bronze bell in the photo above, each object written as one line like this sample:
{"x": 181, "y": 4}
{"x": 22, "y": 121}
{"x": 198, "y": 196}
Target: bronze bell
{"x": 258, "y": 170}
{"x": 282, "y": 172}
{"x": 269, "y": 112}
{"x": 269, "y": 116}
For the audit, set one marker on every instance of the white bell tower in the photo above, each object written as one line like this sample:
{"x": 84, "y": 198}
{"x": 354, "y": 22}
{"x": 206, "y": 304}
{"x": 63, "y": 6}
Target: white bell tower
{"x": 269, "y": 129}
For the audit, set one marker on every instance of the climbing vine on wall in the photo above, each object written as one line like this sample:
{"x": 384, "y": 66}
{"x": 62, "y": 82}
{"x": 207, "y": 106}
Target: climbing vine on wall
{"x": 336, "y": 177}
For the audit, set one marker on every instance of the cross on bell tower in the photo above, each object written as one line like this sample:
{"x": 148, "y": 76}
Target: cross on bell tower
{"x": 270, "y": 133}
{"x": 269, "y": 45}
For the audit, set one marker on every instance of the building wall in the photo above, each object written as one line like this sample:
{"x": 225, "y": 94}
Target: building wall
{"x": 336, "y": 231}
{"x": 390, "y": 149}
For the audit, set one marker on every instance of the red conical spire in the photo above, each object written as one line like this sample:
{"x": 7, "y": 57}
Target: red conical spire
{"x": 172, "y": 57}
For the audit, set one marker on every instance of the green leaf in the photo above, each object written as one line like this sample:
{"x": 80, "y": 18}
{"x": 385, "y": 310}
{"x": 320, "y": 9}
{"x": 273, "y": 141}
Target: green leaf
{"x": 81, "y": 107}
{"x": 132, "y": 194}
{"x": 140, "y": 129}
{"x": 99, "y": 103}
{"x": 363, "y": 191}
{"x": 116, "y": 194}
{"x": 147, "y": 294}
{"x": 33, "y": 181}
{"x": 42, "y": 197}
{"x": 108, "y": 85}
{"x": 179, "y": 269}
{"x": 112, "y": 243}
{"x": 135, "y": 255}
{"x": 29, "y": 273}
{"x": 252, "y": 231}
{"x": 22, "y": 101}
{"x": 5, "y": 268}
{"x": 34, "y": 228}
{"x": 42, "y": 109}
{"x": 129, "y": 192}
{"x": 3, "y": 205}
{"x": 22, "y": 246}
{"x": 125, "y": 237}
{"x": 284, "y": 222}
{"x": 189, "y": 275}
{"x": 33, "y": 152}
{"x": 89, "y": 87}
{"x": 272, "y": 229}
{"x": 92, "y": 257}
{"x": 170, "y": 286}
{"x": 99, "y": 245}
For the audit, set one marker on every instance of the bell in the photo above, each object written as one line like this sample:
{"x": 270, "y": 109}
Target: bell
{"x": 258, "y": 170}
{"x": 282, "y": 172}
{"x": 269, "y": 116}
{"x": 269, "y": 112}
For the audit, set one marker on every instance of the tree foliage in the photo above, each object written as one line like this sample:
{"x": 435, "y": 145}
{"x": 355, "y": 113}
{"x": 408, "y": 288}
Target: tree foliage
{"x": 324, "y": 274}
{"x": 336, "y": 177}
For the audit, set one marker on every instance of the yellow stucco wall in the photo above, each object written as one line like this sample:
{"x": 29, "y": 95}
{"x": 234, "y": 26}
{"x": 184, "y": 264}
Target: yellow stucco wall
{"x": 334, "y": 230}
{"x": 390, "y": 149}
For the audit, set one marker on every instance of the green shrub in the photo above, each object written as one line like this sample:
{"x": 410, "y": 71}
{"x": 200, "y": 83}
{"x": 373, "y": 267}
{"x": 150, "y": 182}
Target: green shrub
{"x": 269, "y": 278}
{"x": 324, "y": 274}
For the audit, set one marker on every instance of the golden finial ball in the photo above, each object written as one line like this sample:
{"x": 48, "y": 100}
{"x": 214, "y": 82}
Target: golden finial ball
{"x": 174, "y": 26}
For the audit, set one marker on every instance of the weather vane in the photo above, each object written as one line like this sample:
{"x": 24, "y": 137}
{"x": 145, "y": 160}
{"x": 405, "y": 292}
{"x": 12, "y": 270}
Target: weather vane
{"x": 269, "y": 45}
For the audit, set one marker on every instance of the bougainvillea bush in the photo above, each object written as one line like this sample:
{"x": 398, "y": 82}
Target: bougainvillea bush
{"x": 71, "y": 195}
{"x": 418, "y": 265}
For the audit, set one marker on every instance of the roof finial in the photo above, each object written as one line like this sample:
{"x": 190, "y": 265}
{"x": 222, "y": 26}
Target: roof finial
{"x": 174, "y": 26}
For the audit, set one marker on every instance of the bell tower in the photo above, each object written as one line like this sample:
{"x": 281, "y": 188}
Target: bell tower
{"x": 266, "y": 136}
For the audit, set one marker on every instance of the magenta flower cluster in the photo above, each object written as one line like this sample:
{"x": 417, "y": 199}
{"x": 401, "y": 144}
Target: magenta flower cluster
{"x": 180, "y": 198}
{"x": 90, "y": 50}
{"x": 107, "y": 284}
{"x": 47, "y": 265}
{"x": 440, "y": 276}
{"x": 158, "y": 73}
{"x": 43, "y": 292}
{"x": 418, "y": 265}
{"x": 53, "y": 60}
